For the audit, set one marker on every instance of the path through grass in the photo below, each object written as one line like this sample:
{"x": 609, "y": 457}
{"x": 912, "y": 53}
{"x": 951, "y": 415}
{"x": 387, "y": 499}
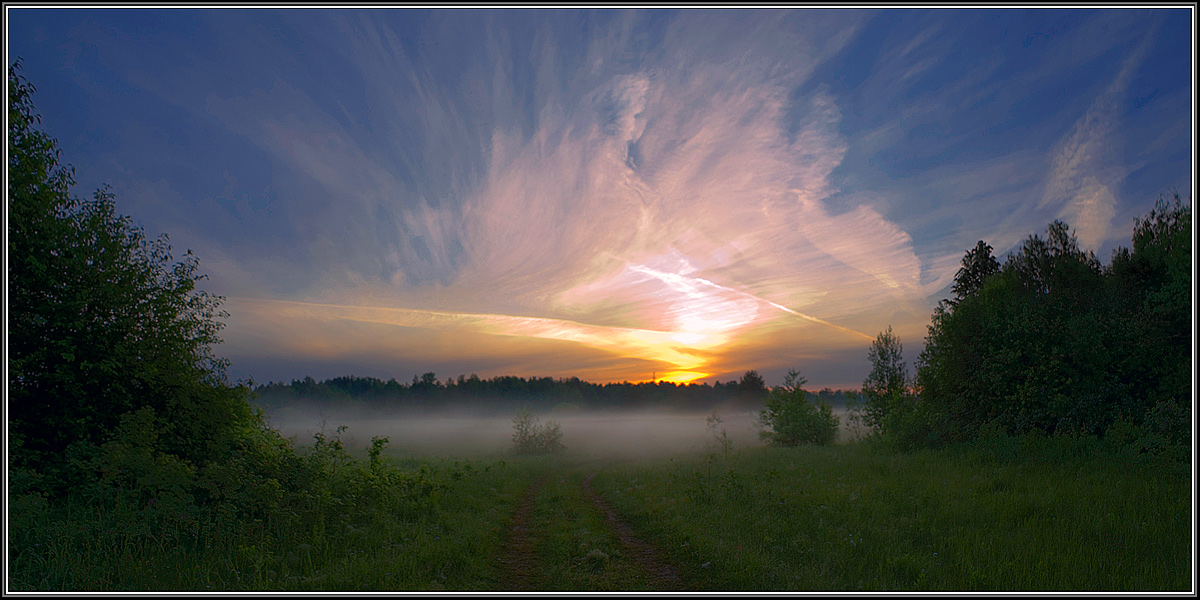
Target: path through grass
{"x": 565, "y": 537}
{"x": 1007, "y": 514}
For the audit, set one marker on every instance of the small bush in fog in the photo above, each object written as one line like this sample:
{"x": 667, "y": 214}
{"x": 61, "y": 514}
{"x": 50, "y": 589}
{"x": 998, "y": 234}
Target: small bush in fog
{"x": 722, "y": 439}
{"x": 531, "y": 436}
{"x": 789, "y": 419}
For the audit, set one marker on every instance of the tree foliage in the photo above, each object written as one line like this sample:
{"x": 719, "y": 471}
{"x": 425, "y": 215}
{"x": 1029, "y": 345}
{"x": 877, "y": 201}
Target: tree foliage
{"x": 887, "y": 387}
{"x": 101, "y": 322}
{"x": 1055, "y": 342}
{"x": 751, "y": 389}
{"x": 123, "y": 432}
{"x": 790, "y": 419}
{"x": 977, "y": 266}
{"x": 502, "y": 393}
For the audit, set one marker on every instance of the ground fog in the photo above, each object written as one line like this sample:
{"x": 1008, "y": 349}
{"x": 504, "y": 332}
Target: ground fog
{"x": 627, "y": 434}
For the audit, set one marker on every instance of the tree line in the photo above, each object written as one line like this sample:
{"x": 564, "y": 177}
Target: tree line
{"x": 503, "y": 393}
{"x": 1053, "y": 342}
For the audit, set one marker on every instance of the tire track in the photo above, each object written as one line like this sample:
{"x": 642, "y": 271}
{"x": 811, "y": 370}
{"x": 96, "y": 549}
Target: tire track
{"x": 517, "y": 557}
{"x": 661, "y": 574}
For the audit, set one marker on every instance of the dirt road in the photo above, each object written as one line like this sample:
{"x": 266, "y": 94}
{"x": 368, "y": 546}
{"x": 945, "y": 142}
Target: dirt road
{"x": 564, "y": 536}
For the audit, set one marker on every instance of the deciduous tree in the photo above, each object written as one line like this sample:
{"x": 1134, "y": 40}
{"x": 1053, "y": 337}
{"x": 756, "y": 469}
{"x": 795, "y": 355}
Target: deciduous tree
{"x": 886, "y": 387}
{"x": 101, "y": 321}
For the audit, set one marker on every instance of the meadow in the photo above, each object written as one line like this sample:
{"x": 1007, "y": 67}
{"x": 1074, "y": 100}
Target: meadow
{"x": 1004, "y": 513}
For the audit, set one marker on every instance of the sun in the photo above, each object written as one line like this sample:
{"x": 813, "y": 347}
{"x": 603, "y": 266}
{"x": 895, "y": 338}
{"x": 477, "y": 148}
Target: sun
{"x": 682, "y": 376}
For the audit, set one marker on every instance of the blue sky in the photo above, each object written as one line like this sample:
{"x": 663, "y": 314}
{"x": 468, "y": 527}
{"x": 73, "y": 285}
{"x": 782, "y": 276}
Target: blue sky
{"x": 609, "y": 194}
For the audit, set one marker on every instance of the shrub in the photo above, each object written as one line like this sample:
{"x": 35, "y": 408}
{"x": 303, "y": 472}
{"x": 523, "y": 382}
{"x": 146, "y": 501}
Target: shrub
{"x": 722, "y": 440}
{"x": 789, "y": 419}
{"x": 914, "y": 423}
{"x": 530, "y": 436}
{"x": 857, "y": 424}
{"x": 1165, "y": 432}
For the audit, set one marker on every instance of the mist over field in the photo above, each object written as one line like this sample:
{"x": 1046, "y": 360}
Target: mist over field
{"x": 463, "y": 433}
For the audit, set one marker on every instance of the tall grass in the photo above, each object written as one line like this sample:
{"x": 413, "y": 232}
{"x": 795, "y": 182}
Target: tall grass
{"x": 575, "y": 548}
{"x": 1004, "y": 513}
{"x": 1031, "y": 514}
{"x": 338, "y": 536}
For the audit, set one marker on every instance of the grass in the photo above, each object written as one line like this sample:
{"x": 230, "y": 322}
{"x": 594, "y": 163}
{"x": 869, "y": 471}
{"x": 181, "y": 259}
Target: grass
{"x": 1047, "y": 515}
{"x": 449, "y": 543}
{"x": 574, "y": 547}
{"x": 1011, "y": 514}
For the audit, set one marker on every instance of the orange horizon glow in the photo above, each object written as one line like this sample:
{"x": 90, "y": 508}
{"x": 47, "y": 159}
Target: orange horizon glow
{"x": 680, "y": 377}
{"x": 689, "y": 353}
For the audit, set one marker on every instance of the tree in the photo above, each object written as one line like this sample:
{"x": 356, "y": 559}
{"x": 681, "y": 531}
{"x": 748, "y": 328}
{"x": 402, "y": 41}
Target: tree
{"x": 1052, "y": 264}
{"x": 752, "y": 388}
{"x": 977, "y": 266}
{"x": 101, "y": 322}
{"x": 1057, "y": 343}
{"x": 887, "y": 385}
{"x": 789, "y": 419}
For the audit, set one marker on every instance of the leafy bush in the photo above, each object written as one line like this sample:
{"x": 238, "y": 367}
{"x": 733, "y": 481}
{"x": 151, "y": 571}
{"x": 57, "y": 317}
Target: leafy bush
{"x": 1165, "y": 431}
{"x": 530, "y": 436}
{"x": 789, "y": 419}
{"x": 914, "y": 423}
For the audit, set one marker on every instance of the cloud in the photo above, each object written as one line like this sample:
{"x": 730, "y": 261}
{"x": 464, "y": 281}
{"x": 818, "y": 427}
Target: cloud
{"x": 655, "y": 213}
{"x": 743, "y": 189}
{"x": 651, "y": 194}
{"x": 1086, "y": 171}
{"x": 332, "y": 331}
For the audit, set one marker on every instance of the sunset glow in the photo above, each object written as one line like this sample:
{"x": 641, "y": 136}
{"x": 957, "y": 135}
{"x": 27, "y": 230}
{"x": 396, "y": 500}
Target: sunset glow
{"x": 612, "y": 195}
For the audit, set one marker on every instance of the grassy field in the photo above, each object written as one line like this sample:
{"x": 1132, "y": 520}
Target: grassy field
{"x": 446, "y": 542}
{"x": 1045, "y": 514}
{"x": 1009, "y": 514}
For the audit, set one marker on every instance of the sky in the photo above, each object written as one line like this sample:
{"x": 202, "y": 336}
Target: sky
{"x": 614, "y": 195}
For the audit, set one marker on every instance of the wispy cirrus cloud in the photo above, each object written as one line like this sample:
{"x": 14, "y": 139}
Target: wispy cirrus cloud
{"x": 609, "y": 193}
{"x": 667, "y": 196}
{"x": 1086, "y": 174}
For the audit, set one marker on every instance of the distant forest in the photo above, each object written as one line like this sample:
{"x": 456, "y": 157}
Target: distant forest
{"x": 506, "y": 393}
